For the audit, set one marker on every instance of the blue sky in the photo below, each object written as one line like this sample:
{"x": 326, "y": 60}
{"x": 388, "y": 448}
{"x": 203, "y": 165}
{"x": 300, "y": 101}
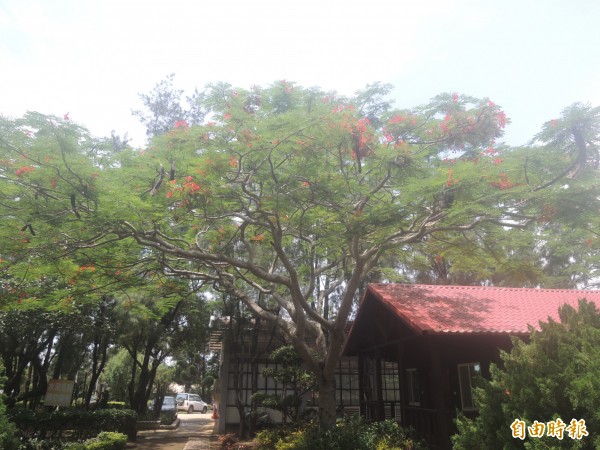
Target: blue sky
{"x": 91, "y": 58}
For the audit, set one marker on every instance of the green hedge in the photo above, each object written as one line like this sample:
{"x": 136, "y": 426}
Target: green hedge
{"x": 104, "y": 441}
{"x": 73, "y": 424}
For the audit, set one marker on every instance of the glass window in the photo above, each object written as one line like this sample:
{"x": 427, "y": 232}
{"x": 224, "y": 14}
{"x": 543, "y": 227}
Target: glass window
{"x": 414, "y": 388}
{"x": 390, "y": 381}
{"x": 466, "y": 372}
{"x": 347, "y": 386}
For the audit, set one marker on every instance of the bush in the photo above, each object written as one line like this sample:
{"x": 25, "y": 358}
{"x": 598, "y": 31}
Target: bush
{"x": 115, "y": 405}
{"x": 104, "y": 441}
{"x": 8, "y": 438}
{"x": 41, "y": 444}
{"x": 168, "y": 417}
{"x": 354, "y": 433}
{"x": 81, "y": 424}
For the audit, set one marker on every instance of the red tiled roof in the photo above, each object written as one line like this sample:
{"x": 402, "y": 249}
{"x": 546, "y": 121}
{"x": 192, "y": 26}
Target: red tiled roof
{"x": 475, "y": 309}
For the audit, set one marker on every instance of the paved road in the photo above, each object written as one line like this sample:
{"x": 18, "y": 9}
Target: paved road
{"x": 195, "y": 432}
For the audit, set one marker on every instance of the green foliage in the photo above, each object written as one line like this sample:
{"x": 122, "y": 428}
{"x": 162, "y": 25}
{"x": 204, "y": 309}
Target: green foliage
{"x": 354, "y": 433}
{"x": 116, "y": 405}
{"x": 80, "y": 423}
{"x": 288, "y": 200}
{"x": 167, "y": 417}
{"x": 104, "y": 441}
{"x": 8, "y": 440}
{"x": 117, "y": 375}
{"x": 8, "y": 430}
{"x": 552, "y": 376}
{"x": 294, "y": 379}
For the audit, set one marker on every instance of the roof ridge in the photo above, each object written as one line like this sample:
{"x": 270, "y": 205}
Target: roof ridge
{"x": 468, "y": 287}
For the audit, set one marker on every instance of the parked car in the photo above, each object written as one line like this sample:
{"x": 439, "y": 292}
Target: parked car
{"x": 190, "y": 403}
{"x": 169, "y": 404}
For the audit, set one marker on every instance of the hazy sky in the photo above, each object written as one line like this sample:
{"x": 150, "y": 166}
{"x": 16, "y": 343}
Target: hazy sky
{"x": 91, "y": 58}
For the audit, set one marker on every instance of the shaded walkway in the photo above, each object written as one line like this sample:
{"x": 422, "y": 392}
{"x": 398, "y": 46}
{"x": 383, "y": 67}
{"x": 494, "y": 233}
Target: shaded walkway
{"x": 195, "y": 432}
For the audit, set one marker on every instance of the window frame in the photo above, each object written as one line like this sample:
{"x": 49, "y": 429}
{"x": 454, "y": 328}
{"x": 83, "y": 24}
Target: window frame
{"x": 472, "y": 368}
{"x": 412, "y": 375}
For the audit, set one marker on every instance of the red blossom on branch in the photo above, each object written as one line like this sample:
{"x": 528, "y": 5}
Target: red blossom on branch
{"x": 501, "y": 119}
{"x": 397, "y": 119}
{"x": 181, "y": 124}
{"x": 191, "y": 187}
{"x": 24, "y": 170}
{"x": 503, "y": 183}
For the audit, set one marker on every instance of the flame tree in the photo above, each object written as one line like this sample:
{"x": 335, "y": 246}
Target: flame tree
{"x": 288, "y": 199}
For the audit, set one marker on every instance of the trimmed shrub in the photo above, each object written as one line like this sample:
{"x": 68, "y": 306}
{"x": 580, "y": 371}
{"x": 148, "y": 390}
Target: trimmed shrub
{"x": 73, "y": 423}
{"x": 104, "y": 441}
{"x": 167, "y": 417}
{"x": 354, "y": 433}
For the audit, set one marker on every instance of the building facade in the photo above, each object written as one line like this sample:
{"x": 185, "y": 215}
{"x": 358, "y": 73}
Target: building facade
{"x": 419, "y": 347}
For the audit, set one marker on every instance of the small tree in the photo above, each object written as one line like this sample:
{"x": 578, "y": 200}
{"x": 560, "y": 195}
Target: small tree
{"x": 554, "y": 376}
{"x": 7, "y": 429}
{"x": 296, "y": 382}
{"x": 164, "y": 109}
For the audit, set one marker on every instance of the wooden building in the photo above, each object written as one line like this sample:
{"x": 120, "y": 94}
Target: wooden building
{"x": 244, "y": 347}
{"x": 419, "y": 347}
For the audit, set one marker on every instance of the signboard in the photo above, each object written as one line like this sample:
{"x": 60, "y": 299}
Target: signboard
{"x": 59, "y": 392}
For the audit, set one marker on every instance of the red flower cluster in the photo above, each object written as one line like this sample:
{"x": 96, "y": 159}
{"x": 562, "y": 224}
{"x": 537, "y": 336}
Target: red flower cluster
{"x": 89, "y": 268}
{"x": 191, "y": 187}
{"x": 503, "y": 183}
{"x": 501, "y": 119}
{"x": 181, "y": 124}
{"x": 397, "y": 119}
{"x": 24, "y": 170}
{"x": 361, "y": 135}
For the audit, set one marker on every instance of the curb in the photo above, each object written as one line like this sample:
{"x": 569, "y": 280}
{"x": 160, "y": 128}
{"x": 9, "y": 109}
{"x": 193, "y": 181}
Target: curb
{"x": 173, "y": 426}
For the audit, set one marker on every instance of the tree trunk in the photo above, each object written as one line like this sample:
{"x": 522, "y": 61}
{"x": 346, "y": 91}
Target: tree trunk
{"x": 327, "y": 403}
{"x": 99, "y": 357}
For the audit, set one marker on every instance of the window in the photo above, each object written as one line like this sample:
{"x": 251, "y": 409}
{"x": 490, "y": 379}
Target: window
{"x": 466, "y": 372}
{"x": 390, "y": 381}
{"x": 347, "y": 382}
{"x": 414, "y": 390}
